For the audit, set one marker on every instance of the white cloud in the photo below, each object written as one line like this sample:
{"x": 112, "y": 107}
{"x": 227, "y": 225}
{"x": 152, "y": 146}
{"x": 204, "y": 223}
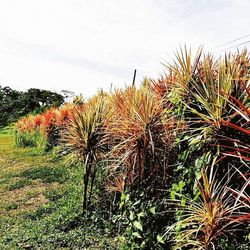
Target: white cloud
{"x": 83, "y": 45}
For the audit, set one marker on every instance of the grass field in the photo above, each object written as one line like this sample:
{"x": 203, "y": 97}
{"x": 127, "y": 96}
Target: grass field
{"x": 40, "y": 205}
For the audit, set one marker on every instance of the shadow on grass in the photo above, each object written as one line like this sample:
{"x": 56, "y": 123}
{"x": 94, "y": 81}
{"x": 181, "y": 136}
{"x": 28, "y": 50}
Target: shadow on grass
{"x": 19, "y": 184}
{"x": 47, "y": 174}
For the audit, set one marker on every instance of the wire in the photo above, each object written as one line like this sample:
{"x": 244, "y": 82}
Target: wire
{"x": 237, "y": 45}
{"x": 232, "y": 41}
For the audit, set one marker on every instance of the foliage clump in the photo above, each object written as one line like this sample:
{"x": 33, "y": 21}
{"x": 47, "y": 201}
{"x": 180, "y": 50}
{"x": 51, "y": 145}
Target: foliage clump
{"x": 174, "y": 153}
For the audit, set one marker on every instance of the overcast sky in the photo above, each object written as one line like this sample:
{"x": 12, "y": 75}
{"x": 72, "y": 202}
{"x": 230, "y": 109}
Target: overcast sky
{"x": 83, "y": 45}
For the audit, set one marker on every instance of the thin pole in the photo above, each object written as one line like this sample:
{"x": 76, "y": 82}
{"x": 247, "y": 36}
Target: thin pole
{"x": 133, "y": 84}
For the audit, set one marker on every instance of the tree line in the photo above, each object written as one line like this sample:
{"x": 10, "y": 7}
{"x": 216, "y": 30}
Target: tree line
{"x": 15, "y": 104}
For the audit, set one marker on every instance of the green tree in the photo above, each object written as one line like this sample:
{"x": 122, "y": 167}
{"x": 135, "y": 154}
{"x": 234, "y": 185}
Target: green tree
{"x": 14, "y": 104}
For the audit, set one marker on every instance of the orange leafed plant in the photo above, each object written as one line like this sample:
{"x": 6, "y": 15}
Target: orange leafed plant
{"x": 140, "y": 135}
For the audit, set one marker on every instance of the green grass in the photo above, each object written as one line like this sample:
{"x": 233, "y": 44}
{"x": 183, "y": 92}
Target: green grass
{"x": 46, "y": 174}
{"x": 19, "y": 184}
{"x": 6, "y": 130}
{"x": 40, "y": 205}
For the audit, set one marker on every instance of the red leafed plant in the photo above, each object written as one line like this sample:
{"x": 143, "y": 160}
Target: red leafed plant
{"x": 140, "y": 136}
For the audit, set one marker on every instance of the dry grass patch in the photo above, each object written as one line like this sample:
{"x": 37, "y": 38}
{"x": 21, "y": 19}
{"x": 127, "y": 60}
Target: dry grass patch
{"x": 25, "y": 199}
{"x": 24, "y": 179}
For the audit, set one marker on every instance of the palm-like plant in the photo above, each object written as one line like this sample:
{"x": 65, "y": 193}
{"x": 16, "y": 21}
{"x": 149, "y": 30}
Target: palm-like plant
{"x": 216, "y": 214}
{"x": 140, "y": 135}
{"x": 83, "y": 139}
{"x": 241, "y": 194}
{"x": 237, "y": 143}
{"x": 215, "y": 96}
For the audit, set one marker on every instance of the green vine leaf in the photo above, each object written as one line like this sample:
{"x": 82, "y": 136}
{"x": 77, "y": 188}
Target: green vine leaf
{"x": 137, "y": 235}
{"x": 160, "y": 239}
{"x": 138, "y": 225}
{"x": 152, "y": 210}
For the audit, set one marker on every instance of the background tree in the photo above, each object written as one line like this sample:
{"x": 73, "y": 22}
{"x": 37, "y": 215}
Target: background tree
{"x": 14, "y": 104}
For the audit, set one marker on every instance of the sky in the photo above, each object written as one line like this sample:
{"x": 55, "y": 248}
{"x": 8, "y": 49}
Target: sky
{"x": 86, "y": 45}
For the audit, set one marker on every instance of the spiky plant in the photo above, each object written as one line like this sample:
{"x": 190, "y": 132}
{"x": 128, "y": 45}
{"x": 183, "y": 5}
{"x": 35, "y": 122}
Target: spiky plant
{"x": 242, "y": 195}
{"x": 208, "y": 85}
{"x": 237, "y": 143}
{"x": 140, "y": 136}
{"x": 83, "y": 139}
{"x": 214, "y": 96}
{"x": 26, "y": 124}
{"x": 216, "y": 215}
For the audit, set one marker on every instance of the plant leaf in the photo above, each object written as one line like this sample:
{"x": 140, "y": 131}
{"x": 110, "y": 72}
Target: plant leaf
{"x": 137, "y": 235}
{"x": 152, "y": 210}
{"x": 160, "y": 239}
{"x": 138, "y": 225}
